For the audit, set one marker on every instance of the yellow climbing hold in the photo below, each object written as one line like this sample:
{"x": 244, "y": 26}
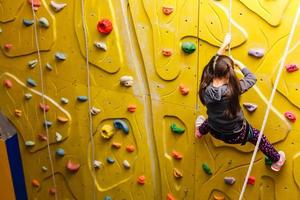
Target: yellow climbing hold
{"x": 107, "y": 131}
{"x": 62, "y": 119}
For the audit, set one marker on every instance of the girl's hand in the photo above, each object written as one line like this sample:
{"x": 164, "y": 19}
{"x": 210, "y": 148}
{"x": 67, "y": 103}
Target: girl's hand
{"x": 227, "y": 40}
{"x": 238, "y": 63}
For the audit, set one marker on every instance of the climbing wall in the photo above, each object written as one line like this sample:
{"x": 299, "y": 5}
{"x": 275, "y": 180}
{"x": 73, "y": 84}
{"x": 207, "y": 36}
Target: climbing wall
{"x": 145, "y": 61}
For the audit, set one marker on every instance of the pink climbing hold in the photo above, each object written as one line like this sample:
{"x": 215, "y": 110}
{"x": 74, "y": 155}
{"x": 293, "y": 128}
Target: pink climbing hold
{"x": 42, "y": 137}
{"x": 44, "y": 107}
{"x": 36, "y": 4}
{"x": 183, "y": 89}
{"x": 52, "y": 191}
{"x": 291, "y": 68}
{"x": 131, "y": 108}
{"x": 251, "y": 180}
{"x": 167, "y": 10}
{"x": 7, "y": 83}
{"x": 104, "y": 26}
{"x": 291, "y": 116}
{"x": 167, "y": 52}
{"x": 7, "y": 47}
{"x": 176, "y": 155}
{"x": 72, "y": 166}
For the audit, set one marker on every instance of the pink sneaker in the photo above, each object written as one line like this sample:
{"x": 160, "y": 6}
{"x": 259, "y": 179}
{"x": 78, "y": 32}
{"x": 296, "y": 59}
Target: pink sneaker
{"x": 277, "y": 165}
{"x": 199, "y": 121}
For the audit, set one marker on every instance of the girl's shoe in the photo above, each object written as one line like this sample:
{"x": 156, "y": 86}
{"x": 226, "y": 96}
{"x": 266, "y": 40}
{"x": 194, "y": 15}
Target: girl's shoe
{"x": 199, "y": 121}
{"x": 277, "y": 165}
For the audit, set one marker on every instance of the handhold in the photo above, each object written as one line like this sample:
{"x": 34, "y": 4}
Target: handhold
{"x": 291, "y": 116}
{"x": 60, "y": 56}
{"x": 116, "y": 145}
{"x": 292, "y": 67}
{"x": 167, "y": 52}
{"x": 44, "y": 107}
{"x": 229, "y": 180}
{"x": 177, "y": 130}
{"x": 268, "y": 161}
{"x": 42, "y": 137}
{"x": 64, "y": 100}
{"x": 121, "y": 124}
{"x": 131, "y": 108}
{"x": 218, "y": 196}
{"x": 82, "y": 98}
{"x": 251, "y": 180}
{"x": 49, "y": 67}
{"x": 43, "y": 22}
{"x": 29, "y": 143}
{"x": 47, "y": 124}
{"x": 32, "y": 63}
{"x": 188, "y": 47}
{"x": 52, "y": 191}
{"x": 126, "y": 164}
{"x": 167, "y": 10}
{"x": 31, "y": 82}
{"x": 183, "y": 89}
{"x": 130, "y": 148}
{"x": 206, "y": 169}
{"x": 97, "y": 164}
{"x": 104, "y": 26}
{"x": 177, "y": 155}
{"x": 35, "y": 183}
{"x": 126, "y": 81}
{"x": 7, "y": 47}
{"x": 107, "y": 131}
{"x": 170, "y": 196}
{"x": 28, "y": 22}
{"x": 141, "y": 180}
{"x": 7, "y": 83}
{"x": 35, "y": 3}
{"x": 27, "y": 96}
{"x": 60, "y": 152}
{"x": 62, "y": 119}
{"x": 101, "y": 45}
{"x": 250, "y": 107}
{"x": 72, "y": 166}
{"x": 95, "y": 111}
{"x": 177, "y": 173}
{"x": 258, "y": 53}
{"x": 57, "y": 6}
{"x": 18, "y": 112}
{"x": 107, "y": 198}
{"x": 58, "y": 137}
{"x": 44, "y": 168}
{"x": 110, "y": 160}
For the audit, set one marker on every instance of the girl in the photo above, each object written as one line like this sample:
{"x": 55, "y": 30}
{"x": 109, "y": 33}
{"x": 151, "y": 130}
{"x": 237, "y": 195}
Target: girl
{"x": 219, "y": 92}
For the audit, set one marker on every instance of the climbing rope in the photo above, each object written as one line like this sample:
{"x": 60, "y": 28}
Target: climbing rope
{"x": 271, "y": 100}
{"x": 230, "y": 24}
{"x": 43, "y": 95}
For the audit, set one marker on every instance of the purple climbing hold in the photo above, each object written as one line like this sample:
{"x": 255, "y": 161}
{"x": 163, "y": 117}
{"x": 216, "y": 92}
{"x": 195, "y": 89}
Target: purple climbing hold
{"x": 47, "y": 124}
{"x": 250, "y": 107}
{"x": 258, "y": 53}
{"x": 229, "y": 180}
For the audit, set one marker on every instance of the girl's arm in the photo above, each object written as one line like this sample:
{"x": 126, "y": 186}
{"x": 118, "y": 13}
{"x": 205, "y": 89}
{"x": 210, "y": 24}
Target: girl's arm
{"x": 249, "y": 78}
{"x": 225, "y": 44}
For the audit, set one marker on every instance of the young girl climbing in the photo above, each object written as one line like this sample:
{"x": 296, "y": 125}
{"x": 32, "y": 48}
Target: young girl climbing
{"x": 219, "y": 92}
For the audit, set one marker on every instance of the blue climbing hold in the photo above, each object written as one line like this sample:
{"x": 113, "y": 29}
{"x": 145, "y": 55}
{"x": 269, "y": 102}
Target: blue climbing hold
{"x": 110, "y": 160}
{"x": 121, "y": 124}
{"x": 47, "y": 124}
{"x": 107, "y": 198}
{"x": 60, "y": 56}
{"x": 82, "y": 98}
{"x": 60, "y": 152}
{"x": 28, "y": 22}
{"x": 31, "y": 82}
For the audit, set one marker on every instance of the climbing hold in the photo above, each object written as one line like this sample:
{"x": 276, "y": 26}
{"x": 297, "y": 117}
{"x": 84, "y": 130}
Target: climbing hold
{"x": 107, "y": 198}
{"x": 126, "y": 81}
{"x": 167, "y": 10}
{"x": 18, "y": 112}
{"x": 43, "y": 22}
{"x": 95, "y": 111}
{"x": 49, "y": 67}
{"x": 176, "y": 129}
{"x": 82, "y": 98}
{"x": 218, "y": 196}
{"x": 116, "y": 145}
{"x": 60, "y": 56}
{"x": 28, "y": 22}
{"x": 60, "y": 152}
{"x": 167, "y": 52}
{"x": 27, "y": 96}
{"x": 170, "y": 196}
{"x": 42, "y": 137}
{"x": 110, "y": 160}
{"x": 32, "y": 63}
{"x": 7, "y": 47}
{"x": 72, "y": 166}
{"x": 62, "y": 119}
{"x": 258, "y": 53}
{"x": 126, "y": 164}
{"x": 58, "y": 137}
{"x": 177, "y": 155}
{"x": 130, "y": 148}
{"x": 104, "y": 26}
{"x": 29, "y": 143}
{"x": 141, "y": 180}
{"x": 229, "y": 180}
{"x": 52, "y": 191}
{"x": 183, "y": 89}
{"x": 131, "y": 108}
{"x": 291, "y": 116}
{"x": 7, "y": 83}
{"x": 44, "y": 107}
{"x": 57, "y": 6}
{"x": 107, "y": 131}
{"x": 97, "y": 164}
{"x": 47, "y": 124}
{"x": 177, "y": 174}
{"x": 188, "y": 47}
{"x": 35, "y": 3}
{"x": 121, "y": 124}
{"x": 250, "y": 106}
{"x": 101, "y": 45}
{"x": 251, "y": 180}
{"x": 35, "y": 183}
{"x": 44, "y": 168}
{"x": 206, "y": 169}
{"x": 291, "y": 67}
{"x": 31, "y": 82}
{"x": 268, "y": 161}
{"x": 64, "y": 100}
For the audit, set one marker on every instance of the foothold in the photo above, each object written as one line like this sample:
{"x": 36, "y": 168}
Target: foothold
{"x": 107, "y": 198}
{"x": 121, "y": 124}
{"x": 131, "y": 108}
{"x": 167, "y": 10}
{"x": 107, "y": 131}
{"x": 27, "y": 96}
{"x": 251, "y": 180}
{"x": 60, "y": 56}
{"x": 291, "y": 116}
{"x": 126, "y": 164}
{"x": 58, "y": 137}
{"x": 64, "y": 100}
{"x": 95, "y": 111}
{"x": 177, "y": 155}
{"x": 101, "y": 45}
{"x": 72, "y": 166}
{"x": 62, "y": 119}
{"x": 29, "y": 143}
{"x": 97, "y": 164}
{"x": 42, "y": 137}
{"x": 218, "y": 196}
{"x": 104, "y": 26}
{"x": 291, "y": 68}
{"x": 31, "y": 82}
{"x": 170, "y": 196}
{"x": 177, "y": 174}
{"x": 229, "y": 180}
{"x": 177, "y": 130}
{"x": 44, "y": 168}
{"x": 116, "y": 145}
{"x": 82, "y": 98}
{"x": 44, "y": 107}
{"x": 28, "y": 22}
{"x": 7, "y": 47}
{"x": 49, "y": 67}
{"x": 188, "y": 47}
{"x": 250, "y": 107}
{"x": 126, "y": 81}
{"x": 7, "y": 83}
{"x": 130, "y": 148}
{"x": 268, "y": 161}
{"x": 206, "y": 169}
{"x": 35, "y": 183}
{"x": 43, "y": 22}
{"x": 183, "y": 89}
{"x": 110, "y": 160}
{"x": 57, "y": 6}
{"x": 31, "y": 64}
{"x": 52, "y": 191}
{"x": 258, "y": 53}
{"x": 36, "y": 4}
{"x": 60, "y": 152}
{"x": 141, "y": 180}
{"x": 47, "y": 124}
{"x": 18, "y": 112}
{"x": 167, "y": 52}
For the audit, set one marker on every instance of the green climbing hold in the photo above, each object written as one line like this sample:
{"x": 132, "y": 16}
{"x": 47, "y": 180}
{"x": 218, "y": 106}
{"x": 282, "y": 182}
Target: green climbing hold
{"x": 207, "y": 169}
{"x": 177, "y": 130}
{"x": 188, "y": 47}
{"x": 268, "y": 161}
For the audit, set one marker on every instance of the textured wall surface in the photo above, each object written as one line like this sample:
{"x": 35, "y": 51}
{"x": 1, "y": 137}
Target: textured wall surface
{"x": 159, "y": 108}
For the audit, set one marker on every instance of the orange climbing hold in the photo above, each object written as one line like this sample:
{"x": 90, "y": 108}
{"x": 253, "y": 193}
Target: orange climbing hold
{"x": 44, "y": 107}
{"x": 170, "y": 196}
{"x": 291, "y": 116}
{"x": 167, "y": 10}
{"x": 131, "y": 108}
{"x": 251, "y": 180}
{"x": 42, "y": 137}
{"x": 116, "y": 145}
{"x": 7, "y": 83}
{"x": 183, "y": 89}
{"x": 35, "y": 183}
{"x": 72, "y": 167}
{"x": 18, "y": 112}
{"x": 104, "y": 26}
{"x": 177, "y": 155}
{"x": 218, "y": 196}
{"x": 130, "y": 148}
{"x": 62, "y": 119}
{"x": 167, "y": 52}
{"x": 141, "y": 180}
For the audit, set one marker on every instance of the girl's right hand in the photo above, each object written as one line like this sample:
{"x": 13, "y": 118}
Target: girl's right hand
{"x": 238, "y": 63}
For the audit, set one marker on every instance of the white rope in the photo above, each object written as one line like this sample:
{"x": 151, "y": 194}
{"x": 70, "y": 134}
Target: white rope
{"x": 230, "y": 25}
{"x": 270, "y": 101}
{"x": 89, "y": 96}
{"x": 43, "y": 96}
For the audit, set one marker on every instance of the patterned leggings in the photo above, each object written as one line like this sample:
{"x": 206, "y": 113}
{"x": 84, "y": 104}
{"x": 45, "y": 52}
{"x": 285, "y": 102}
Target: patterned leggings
{"x": 265, "y": 146}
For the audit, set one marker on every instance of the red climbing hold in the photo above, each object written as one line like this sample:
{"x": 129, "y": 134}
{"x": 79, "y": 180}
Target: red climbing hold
{"x": 130, "y": 148}
{"x": 170, "y": 196}
{"x": 7, "y": 47}
{"x": 291, "y": 67}
{"x": 291, "y": 116}
{"x": 52, "y": 191}
{"x": 72, "y": 167}
{"x": 176, "y": 155}
{"x": 167, "y": 10}
{"x": 36, "y": 4}
{"x": 131, "y": 108}
{"x": 7, "y": 83}
{"x": 35, "y": 183}
{"x": 251, "y": 180}
{"x": 104, "y": 26}
{"x": 44, "y": 107}
{"x": 141, "y": 180}
{"x": 183, "y": 89}
{"x": 167, "y": 52}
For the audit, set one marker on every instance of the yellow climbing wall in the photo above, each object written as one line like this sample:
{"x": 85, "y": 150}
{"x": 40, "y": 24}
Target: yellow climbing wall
{"x": 145, "y": 43}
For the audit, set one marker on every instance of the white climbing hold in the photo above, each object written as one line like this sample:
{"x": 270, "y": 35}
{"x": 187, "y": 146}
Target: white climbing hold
{"x": 127, "y": 81}
{"x": 101, "y": 45}
{"x": 258, "y": 53}
{"x": 29, "y": 143}
{"x": 97, "y": 164}
{"x": 126, "y": 164}
{"x": 57, "y": 6}
{"x": 60, "y": 56}
{"x": 28, "y": 96}
{"x": 43, "y": 22}
{"x": 95, "y": 111}
{"x": 44, "y": 168}
{"x": 32, "y": 63}
{"x": 58, "y": 137}
{"x": 250, "y": 106}
{"x": 49, "y": 67}
{"x": 64, "y": 100}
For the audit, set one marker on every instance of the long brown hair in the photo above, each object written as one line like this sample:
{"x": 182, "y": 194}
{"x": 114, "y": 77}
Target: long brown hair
{"x": 221, "y": 66}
